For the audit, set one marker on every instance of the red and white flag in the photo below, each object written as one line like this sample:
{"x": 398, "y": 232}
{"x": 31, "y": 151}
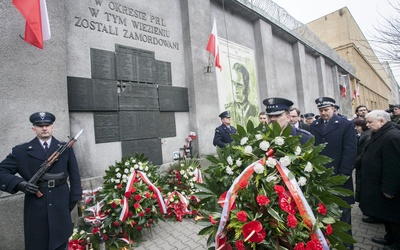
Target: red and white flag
{"x": 37, "y": 27}
{"x": 356, "y": 92}
{"x": 344, "y": 85}
{"x": 213, "y": 46}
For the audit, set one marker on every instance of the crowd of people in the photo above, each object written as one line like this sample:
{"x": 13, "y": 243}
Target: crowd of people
{"x": 369, "y": 144}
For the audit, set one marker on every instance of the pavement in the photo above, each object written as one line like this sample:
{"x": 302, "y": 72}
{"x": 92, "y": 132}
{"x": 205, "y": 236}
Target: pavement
{"x": 184, "y": 235}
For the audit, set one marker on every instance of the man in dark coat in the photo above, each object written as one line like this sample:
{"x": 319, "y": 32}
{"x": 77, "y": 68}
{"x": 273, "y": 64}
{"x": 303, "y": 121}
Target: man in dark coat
{"x": 380, "y": 166}
{"x": 47, "y": 220}
{"x": 278, "y": 110}
{"x": 340, "y": 135}
{"x": 222, "y": 134}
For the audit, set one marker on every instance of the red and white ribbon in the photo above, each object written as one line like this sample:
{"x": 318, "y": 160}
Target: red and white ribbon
{"x": 98, "y": 215}
{"x": 182, "y": 199}
{"x": 129, "y": 187}
{"x": 197, "y": 174}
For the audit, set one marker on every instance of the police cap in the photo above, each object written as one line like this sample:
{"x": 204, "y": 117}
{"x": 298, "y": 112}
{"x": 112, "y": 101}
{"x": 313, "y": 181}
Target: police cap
{"x": 225, "y": 114}
{"x": 324, "y": 102}
{"x": 309, "y": 115}
{"x": 42, "y": 118}
{"x": 277, "y": 105}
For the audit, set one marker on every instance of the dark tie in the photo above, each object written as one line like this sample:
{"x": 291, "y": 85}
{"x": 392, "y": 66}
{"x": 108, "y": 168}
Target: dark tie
{"x": 46, "y": 148}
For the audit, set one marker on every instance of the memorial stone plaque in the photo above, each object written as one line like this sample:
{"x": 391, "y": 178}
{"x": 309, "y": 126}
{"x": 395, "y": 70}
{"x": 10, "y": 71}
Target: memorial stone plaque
{"x": 163, "y": 73}
{"x": 106, "y": 127}
{"x": 103, "y": 64}
{"x": 138, "y": 124}
{"x": 80, "y": 94}
{"x": 105, "y": 95}
{"x": 147, "y": 68}
{"x": 167, "y": 124}
{"x": 126, "y": 67}
{"x": 151, "y": 148}
{"x": 137, "y": 96}
{"x": 173, "y": 99}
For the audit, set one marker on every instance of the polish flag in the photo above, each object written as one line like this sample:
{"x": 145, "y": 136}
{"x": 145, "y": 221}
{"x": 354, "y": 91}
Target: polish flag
{"x": 356, "y": 92}
{"x": 344, "y": 85}
{"x": 213, "y": 45}
{"x": 37, "y": 27}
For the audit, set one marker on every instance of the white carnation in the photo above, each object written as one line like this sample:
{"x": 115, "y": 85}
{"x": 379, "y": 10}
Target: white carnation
{"x": 285, "y": 161}
{"x": 248, "y": 150}
{"x": 309, "y": 167}
{"x": 117, "y": 181}
{"x": 279, "y": 140}
{"x": 133, "y": 161}
{"x": 243, "y": 140}
{"x": 182, "y": 172}
{"x": 302, "y": 181}
{"x": 229, "y": 170}
{"x": 117, "y": 170}
{"x": 149, "y": 175}
{"x": 136, "y": 166}
{"x": 297, "y": 151}
{"x": 124, "y": 176}
{"x": 229, "y": 160}
{"x": 258, "y": 168}
{"x": 264, "y": 145}
{"x": 238, "y": 162}
{"x": 175, "y": 187}
{"x": 258, "y": 137}
{"x": 271, "y": 162}
{"x": 191, "y": 173}
{"x": 126, "y": 163}
{"x": 118, "y": 175}
{"x": 126, "y": 170}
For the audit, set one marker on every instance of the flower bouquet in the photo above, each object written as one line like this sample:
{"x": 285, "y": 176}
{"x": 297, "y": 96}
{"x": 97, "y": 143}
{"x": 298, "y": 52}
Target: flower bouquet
{"x": 179, "y": 186}
{"x": 267, "y": 191}
{"x": 128, "y": 203}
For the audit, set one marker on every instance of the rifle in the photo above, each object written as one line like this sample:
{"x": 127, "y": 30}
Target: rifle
{"x": 46, "y": 165}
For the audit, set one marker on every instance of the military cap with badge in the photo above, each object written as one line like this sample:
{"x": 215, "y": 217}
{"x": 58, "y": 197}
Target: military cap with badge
{"x": 226, "y": 114}
{"x": 324, "y": 102}
{"x": 277, "y": 105}
{"x": 42, "y": 118}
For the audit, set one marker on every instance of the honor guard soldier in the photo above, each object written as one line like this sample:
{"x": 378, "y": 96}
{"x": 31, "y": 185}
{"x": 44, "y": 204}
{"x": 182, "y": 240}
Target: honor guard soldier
{"x": 223, "y": 133}
{"x": 277, "y": 109}
{"x": 340, "y": 136}
{"x": 47, "y": 220}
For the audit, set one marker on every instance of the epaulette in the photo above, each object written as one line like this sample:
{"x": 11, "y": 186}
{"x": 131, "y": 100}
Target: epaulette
{"x": 303, "y": 131}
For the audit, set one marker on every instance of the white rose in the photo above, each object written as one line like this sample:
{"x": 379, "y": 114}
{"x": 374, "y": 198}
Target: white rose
{"x": 182, "y": 164}
{"x": 185, "y": 175}
{"x": 191, "y": 174}
{"x": 136, "y": 166}
{"x": 285, "y": 161}
{"x": 297, "y": 151}
{"x": 182, "y": 172}
{"x": 258, "y": 168}
{"x": 229, "y": 160}
{"x": 149, "y": 175}
{"x": 175, "y": 187}
{"x": 126, "y": 163}
{"x": 117, "y": 170}
{"x": 238, "y": 162}
{"x": 271, "y": 178}
{"x": 309, "y": 167}
{"x": 264, "y": 145}
{"x": 140, "y": 167}
{"x": 248, "y": 150}
{"x": 146, "y": 168}
{"x": 140, "y": 163}
{"x": 183, "y": 193}
{"x": 132, "y": 169}
{"x": 112, "y": 180}
{"x": 271, "y": 162}
{"x": 117, "y": 181}
{"x": 133, "y": 161}
{"x": 302, "y": 181}
{"x": 243, "y": 140}
{"x": 190, "y": 168}
{"x": 124, "y": 176}
{"x": 125, "y": 180}
{"x": 258, "y": 137}
{"x": 126, "y": 170}
{"x": 279, "y": 141}
{"x": 229, "y": 170}
{"x": 118, "y": 175}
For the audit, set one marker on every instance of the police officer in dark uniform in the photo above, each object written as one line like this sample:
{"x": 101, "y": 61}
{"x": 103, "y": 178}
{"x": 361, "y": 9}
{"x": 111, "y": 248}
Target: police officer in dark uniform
{"x": 278, "y": 110}
{"x": 336, "y": 111}
{"x": 223, "y": 133}
{"x": 309, "y": 117}
{"x": 340, "y": 136}
{"x": 47, "y": 220}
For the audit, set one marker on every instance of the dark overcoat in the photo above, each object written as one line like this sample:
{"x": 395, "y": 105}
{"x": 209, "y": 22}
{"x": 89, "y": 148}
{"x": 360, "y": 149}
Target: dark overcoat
{"x": 305, "y": 135}
{"x": 341, "y": 137}
{"x": 380, "y": 169}
{"x": 47, "y": 220}
{"x": 222, "y": 135}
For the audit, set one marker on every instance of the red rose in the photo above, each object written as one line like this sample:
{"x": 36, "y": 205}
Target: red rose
{"x": 239, "y": 245}
{"x": 133, "y": 223}
{"x": 147, "y": 195}
{"x": 151, "y": 221}
{"x": 253, "y": 232}
{"x": 262, "y": 200}
{"x": 105, "y": 237}
{"x": 292, "y": 221}
{"x": 314, "y": 245}
{"x": 150, "y": 188}
{"x": 130, "y": 214}
{"x": 133, "y": 190}
{"x": 141, "y": 214}
{"x": 136, "y": 205}
{"x": 113, "y": 205}
{"x": 95, "y": 230}
{"x": 139, "y": 228}
{"x": 148, "y": 210}
{"x": 321, "y": 209}
{"x": 116, "y": 224}
{"x": 241, "y": 216}
{"x": 128, "y": 194}
{"x": 299, "y": 246}
{"x": 138, "y": 197}
{"x": 329, "y": 230}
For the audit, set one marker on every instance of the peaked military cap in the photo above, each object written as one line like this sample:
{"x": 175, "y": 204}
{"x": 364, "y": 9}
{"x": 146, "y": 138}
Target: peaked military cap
{"x": 337, "y": 107}
{"x": 42, "y": 118}
{"x": 323, "y": 102}
{"x": 277, "y": 105}
{"x": 225, "y": 114}
{"x": 309, "y": 115}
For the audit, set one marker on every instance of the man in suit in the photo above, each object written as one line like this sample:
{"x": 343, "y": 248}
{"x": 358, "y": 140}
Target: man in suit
{"x": 380, "y": 186}
{"x": 222, "y": 134}
{"x": 295, "y": 119}
{"x": 47, "y": 220}
{"x": 340, "y": 136}
{"x": 277, "y": 109}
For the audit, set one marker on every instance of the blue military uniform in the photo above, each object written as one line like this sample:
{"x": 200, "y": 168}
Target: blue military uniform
{"x": 222, "y": 134}
{"x": 305, "y": 135}
{"x": 47, "y": 220}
